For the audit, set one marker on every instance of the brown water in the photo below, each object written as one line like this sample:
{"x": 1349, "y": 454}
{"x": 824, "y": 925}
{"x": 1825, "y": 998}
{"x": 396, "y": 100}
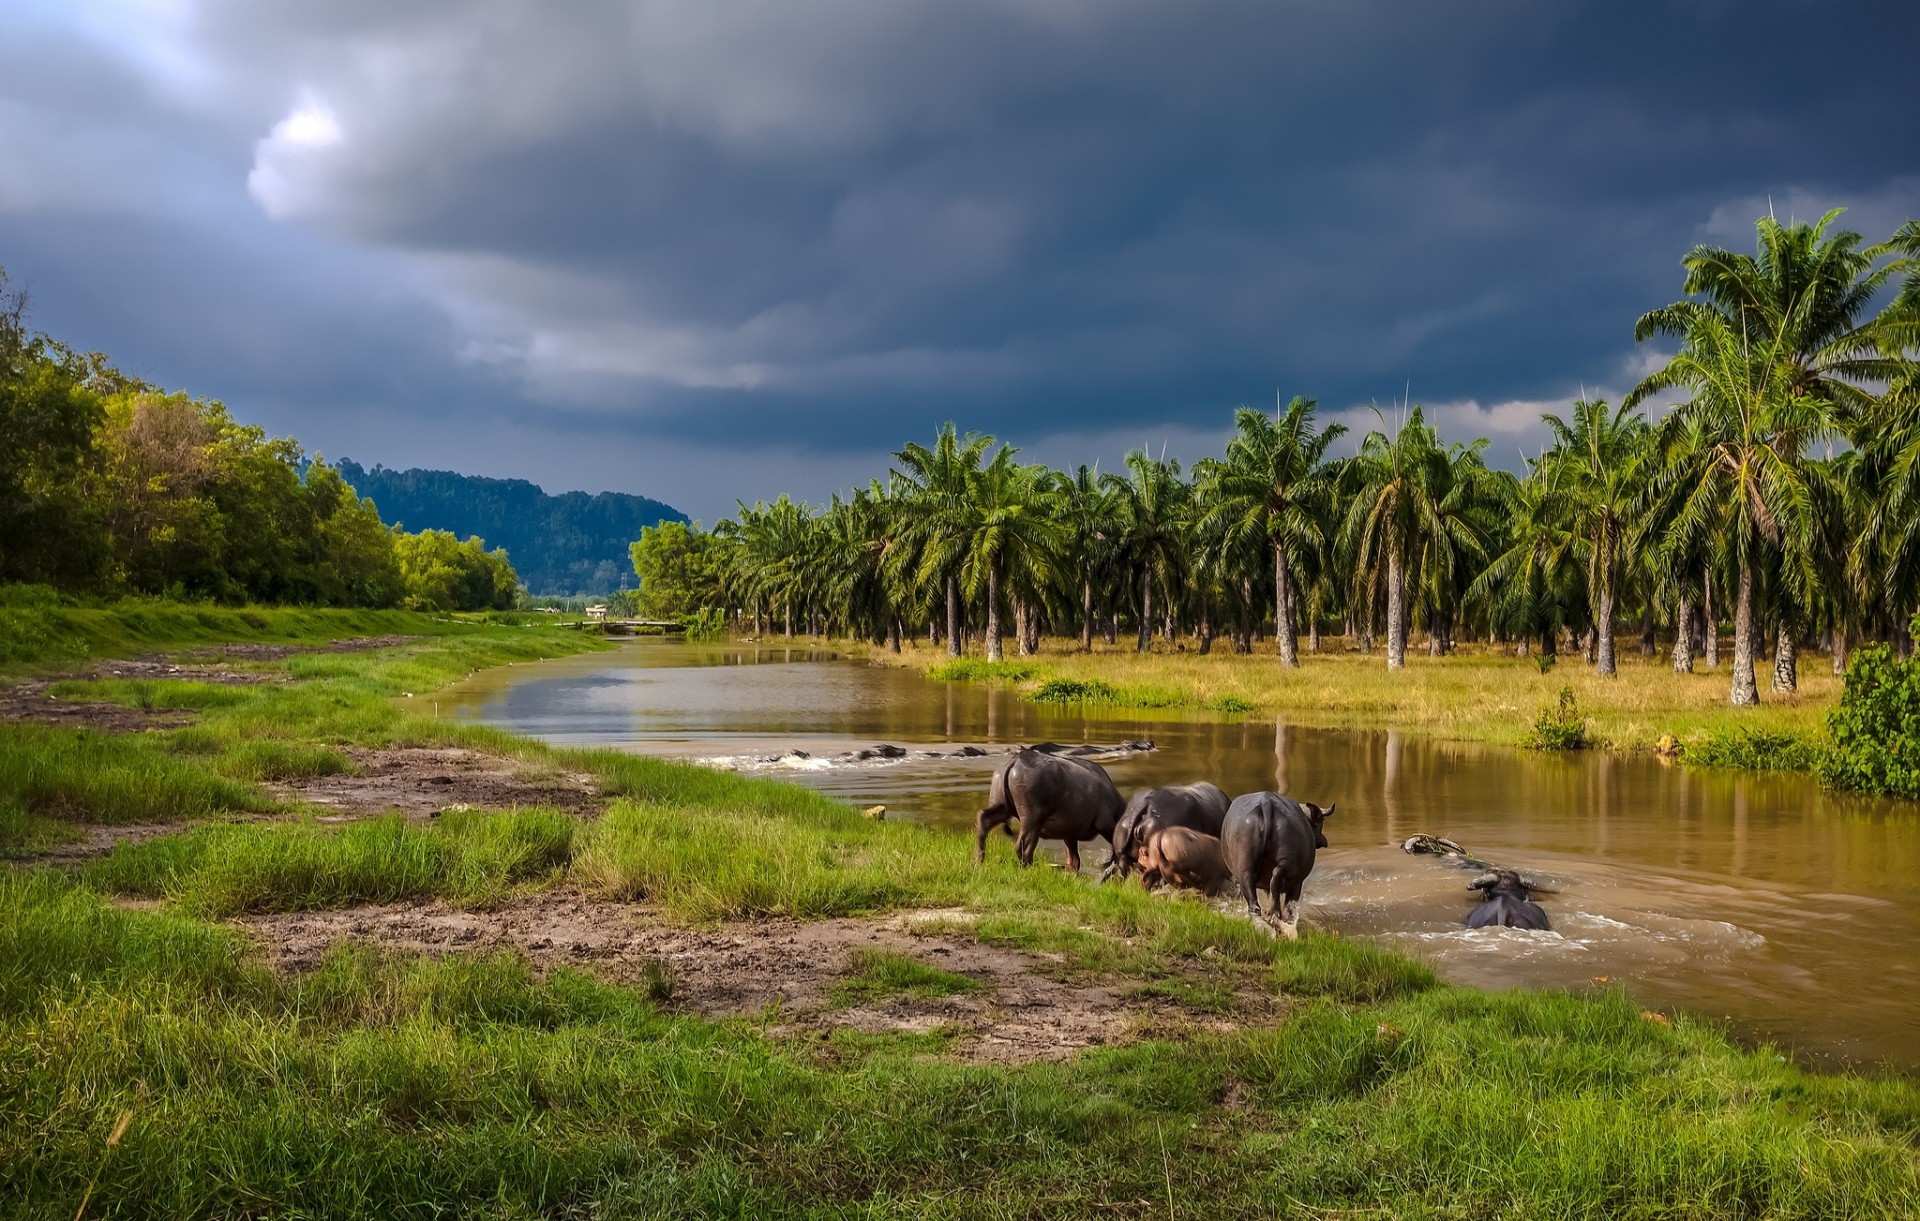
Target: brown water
{"x": 1793, "y": 912}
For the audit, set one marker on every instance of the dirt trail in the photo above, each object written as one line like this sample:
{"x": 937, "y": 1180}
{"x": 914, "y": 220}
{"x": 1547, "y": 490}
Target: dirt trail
{"x": 423, "y": 780}
{"x": 782, "y": 968}
{"x": 29, "y": 701}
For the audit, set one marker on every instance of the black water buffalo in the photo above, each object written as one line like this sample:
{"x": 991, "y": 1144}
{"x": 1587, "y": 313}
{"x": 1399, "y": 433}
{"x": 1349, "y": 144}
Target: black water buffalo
{"x": 1053, "y": 798}
{"x": 1199, "y": 806}
{"x": 1505, "y": 901}
{"x": 1269, "y": 841}
{"x": 1183, "y": 857}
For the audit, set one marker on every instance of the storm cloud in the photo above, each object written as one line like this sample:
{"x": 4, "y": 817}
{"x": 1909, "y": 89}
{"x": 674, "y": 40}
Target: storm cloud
{"x": 702, "y": 249}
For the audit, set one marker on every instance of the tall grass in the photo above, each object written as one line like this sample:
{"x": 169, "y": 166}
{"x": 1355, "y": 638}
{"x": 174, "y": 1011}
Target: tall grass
{"x": 84, "y": 776}
{"x": 467, "y": 856}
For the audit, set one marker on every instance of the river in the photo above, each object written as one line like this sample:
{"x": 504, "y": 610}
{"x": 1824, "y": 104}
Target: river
{"x": 1791, "y": 912}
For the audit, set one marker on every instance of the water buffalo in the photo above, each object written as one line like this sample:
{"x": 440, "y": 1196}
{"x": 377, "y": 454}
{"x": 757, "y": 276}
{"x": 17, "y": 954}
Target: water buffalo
{"x": 1200, "y": 806}
{"x": 1270, "y": 841}
{"x": 1183, "y": 857}
{"x": 1053, "y": 798}
{"x": 1505, "y": 900}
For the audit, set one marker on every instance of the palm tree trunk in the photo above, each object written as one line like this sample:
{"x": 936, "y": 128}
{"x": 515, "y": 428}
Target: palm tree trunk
{"x": 1786, "y": 659}
{"x": 1313, "y": 633}
{"x": 1603, "y": 663}
{"x": 1712, "y": 629}
{"x": 994, "y": 652}
{"x": 1146, "y": 611}
{"x": 1283, "y": 608}
{"x": 787, "y": 630}
{"x": 1744, "y": 691}
{"x": 1396, "y": 612}
{"x": 1113, "y": 625}
{"x": 1020, "y": 625}
{"x": 893, "y": 633}
{"x": 1839, "y": 648}
{"x": 1648, "y": 647}
{"x": 1086, "y": 615}
{"x": 1206, "y": 625}
{"x": 953, "y": 616}
{"x": 1683, "y": 637}
{"x": 1033, "y": 630}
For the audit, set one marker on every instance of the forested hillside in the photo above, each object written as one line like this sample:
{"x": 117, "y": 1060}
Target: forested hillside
{"x": 573, "y": 543}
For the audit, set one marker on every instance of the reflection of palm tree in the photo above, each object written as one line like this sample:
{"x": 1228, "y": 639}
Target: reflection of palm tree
{"x": 1390, "y": 786}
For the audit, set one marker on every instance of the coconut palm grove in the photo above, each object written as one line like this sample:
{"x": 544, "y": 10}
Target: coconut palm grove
{"x": 1766, "y": 477}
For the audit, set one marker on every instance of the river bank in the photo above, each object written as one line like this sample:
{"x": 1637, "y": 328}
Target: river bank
{"x": 1474, "y": 694}
{"x": 281, "y": 998}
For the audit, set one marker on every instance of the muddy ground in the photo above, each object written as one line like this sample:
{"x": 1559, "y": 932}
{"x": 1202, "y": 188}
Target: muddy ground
{"x": 420, "y": 781}
{"x": 782, "y": 971}
{"x": 29, "y": 701}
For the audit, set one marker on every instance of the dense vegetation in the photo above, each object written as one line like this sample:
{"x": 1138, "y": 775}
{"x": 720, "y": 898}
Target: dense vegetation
{"x": 562, "y": 545}
{"x": 151, "y": 1064}
{"x": 1735, "y": 507}
{"x": 110, "y": 486}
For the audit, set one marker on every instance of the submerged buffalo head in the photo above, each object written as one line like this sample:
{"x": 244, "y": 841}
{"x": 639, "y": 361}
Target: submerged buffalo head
{"x": 1501, "y": 882}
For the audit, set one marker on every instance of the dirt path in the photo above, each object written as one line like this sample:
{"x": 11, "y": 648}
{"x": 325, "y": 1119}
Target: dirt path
{"x": 422, "y": 780}
{"x": 785, "y": 969}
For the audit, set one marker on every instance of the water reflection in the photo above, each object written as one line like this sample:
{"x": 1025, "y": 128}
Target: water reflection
{"x": 1793, "y": 911}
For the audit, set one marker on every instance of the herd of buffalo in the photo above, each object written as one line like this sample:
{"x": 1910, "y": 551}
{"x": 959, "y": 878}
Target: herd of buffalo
{"x": 1191, "y": 836}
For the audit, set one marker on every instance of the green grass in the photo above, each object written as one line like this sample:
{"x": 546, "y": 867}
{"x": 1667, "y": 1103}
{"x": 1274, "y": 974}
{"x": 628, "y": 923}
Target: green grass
{"x": 393, "y": 1085}
{"x": 396, "y": 1086}
{"x": 85, "y": 776}
{"x": 469, "y": 857}
{"x": 974, "y": 670}
{"x": 878, "y": 974}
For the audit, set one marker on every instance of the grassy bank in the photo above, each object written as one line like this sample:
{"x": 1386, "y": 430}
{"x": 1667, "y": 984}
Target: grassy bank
{"x": 147, "y": 1054}
{"x": 1474, "y": 694}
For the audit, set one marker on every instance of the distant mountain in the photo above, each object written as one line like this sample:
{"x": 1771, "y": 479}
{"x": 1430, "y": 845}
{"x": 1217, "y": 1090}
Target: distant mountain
{"x": 567, "y": 544}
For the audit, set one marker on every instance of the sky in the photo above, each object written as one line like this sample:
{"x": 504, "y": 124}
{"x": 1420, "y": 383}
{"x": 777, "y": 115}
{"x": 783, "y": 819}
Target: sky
{"x": 716, "y": 249}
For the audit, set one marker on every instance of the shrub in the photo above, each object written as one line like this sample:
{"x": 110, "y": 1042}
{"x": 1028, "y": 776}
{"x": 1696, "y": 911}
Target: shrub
{"x": 1076, "y": 691}
{"x": 1876, "y": 727}
{"x": 1230, "y": 703}
{"x": 1560, "y": 727}
{"x": 1758, "y": 751}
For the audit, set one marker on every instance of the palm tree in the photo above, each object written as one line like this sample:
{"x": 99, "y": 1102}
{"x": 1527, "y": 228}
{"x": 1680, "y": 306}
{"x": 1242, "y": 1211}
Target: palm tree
{"x": 1600, "y": 462}
{"x": 1151, "y": 502}
{"x": 1393, "y": 509}
{"x": 938, "y": 485}
{"x": 1086, "y": 508}
{"x": 1735, "y": 452}
{"x": 1274, "y": 485}
{"x": 1526, "y": 590}
{"x": 1803, "y": 295}
{"x": 1009, "y": 524}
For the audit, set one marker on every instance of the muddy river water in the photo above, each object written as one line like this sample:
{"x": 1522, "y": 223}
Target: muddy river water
{"x": 1792, "y": 912}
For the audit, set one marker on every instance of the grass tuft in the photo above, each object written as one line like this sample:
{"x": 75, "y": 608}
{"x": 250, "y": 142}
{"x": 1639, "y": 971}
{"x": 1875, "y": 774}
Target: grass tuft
{"x": 877, "y": 974}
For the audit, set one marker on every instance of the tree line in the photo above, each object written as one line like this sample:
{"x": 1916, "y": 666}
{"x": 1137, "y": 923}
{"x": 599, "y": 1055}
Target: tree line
{"x": 109, "y": 485}
{"x": 1780, "y": 494}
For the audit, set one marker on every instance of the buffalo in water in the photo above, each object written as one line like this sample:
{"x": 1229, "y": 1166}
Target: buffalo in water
{"x": 1200, "y": 807}
{"x": 1052, "y": 797}
{"x": 1505, "y": 901}
{"x": 1270, "y": 841}
{"x": 1183, "y": 857}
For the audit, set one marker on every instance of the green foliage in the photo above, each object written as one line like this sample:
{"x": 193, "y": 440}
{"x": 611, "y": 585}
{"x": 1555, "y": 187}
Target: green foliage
{"x": 1560, "y": 727}
{"x": 1076, "y": 691}
{"x": 975, "y": 670}
{"x": 1759, "y": 751}
{"x": 877, "y": 974}
{"x": 708, "y": 624}
{"x": 1231, "y": 703}
{"x": 677, "y": 567}
{"x": 1876, "y": 727}
{"x": 442, "y": 573}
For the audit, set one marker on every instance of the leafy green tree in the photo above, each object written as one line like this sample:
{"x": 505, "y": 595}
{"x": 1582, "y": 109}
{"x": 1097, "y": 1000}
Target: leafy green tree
{"x": 938, "y": 486}
{"x": 1152, "y": 504}
{"x": 675, "y": 563}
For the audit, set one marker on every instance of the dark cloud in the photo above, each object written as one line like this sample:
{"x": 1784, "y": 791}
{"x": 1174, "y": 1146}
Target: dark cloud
{"x": 649, "y": 230}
